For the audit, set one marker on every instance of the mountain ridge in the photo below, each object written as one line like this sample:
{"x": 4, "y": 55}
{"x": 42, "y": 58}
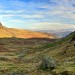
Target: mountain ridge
{"x": 59, "y": 33}
{"x": 19, "y": 33}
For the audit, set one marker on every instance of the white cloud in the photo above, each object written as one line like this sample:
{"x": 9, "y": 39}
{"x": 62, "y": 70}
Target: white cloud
{"x": 51, "y": 26}
{"x": 23, "y": 12}
{"x": 17, "y": 21}
{"x": 12, "y": 11}
{"x": 32, "y": 16}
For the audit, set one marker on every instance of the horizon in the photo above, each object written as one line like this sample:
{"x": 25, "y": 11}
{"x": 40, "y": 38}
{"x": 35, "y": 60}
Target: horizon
{"x": 38, "y": 15}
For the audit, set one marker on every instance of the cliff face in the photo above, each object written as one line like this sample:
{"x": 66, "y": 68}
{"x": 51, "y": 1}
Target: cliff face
{"x": 19, "y": 33}
{"x": 1, "y": 26}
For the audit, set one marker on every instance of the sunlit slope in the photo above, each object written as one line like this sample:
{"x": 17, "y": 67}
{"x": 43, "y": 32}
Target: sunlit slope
{"x": 18, "y": 33}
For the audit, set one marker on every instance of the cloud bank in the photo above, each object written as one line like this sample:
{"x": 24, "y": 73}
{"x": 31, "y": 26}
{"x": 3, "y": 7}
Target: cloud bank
{"x": 38, "y": 14}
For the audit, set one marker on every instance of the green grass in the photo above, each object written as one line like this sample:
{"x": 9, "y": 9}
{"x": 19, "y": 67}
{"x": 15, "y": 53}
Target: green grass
{"x": 24, "y": 55}
{"x": 49, "y": 45}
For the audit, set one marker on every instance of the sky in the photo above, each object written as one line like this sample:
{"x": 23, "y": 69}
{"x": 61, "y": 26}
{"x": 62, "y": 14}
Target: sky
{"x": 38, "y": 14}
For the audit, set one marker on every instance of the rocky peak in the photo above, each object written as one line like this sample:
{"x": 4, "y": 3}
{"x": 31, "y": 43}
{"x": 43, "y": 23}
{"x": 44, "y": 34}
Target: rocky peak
{"x": 1, "y": 26}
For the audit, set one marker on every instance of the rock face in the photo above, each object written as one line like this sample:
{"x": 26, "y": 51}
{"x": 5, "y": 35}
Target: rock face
{"x": 19, "y": 33}
{"x": 1, "y": 26}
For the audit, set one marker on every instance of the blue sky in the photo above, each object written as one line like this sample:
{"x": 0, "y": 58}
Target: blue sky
{"x": 38, "y": 14}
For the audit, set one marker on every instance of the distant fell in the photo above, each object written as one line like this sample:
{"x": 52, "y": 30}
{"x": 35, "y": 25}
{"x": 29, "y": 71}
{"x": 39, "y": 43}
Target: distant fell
{"x": 19, "y": 33}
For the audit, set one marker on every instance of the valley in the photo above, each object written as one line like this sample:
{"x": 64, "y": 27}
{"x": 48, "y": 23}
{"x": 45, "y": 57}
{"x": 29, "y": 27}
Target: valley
{"x": 20, "y": 56}
{"x": 37, "y": 37}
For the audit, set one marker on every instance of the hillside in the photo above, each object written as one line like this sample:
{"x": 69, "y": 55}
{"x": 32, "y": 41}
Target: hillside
{"x": 68, "y": 49}
{"x": 63, "y": 51}
{"x": 18, "y": 33}
{"x": 17, "y": 54}
{"x": 20, "y": 56}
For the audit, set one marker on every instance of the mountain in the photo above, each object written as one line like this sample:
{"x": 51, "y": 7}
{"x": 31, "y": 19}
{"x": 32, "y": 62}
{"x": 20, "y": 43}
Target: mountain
{"x": 19, "y": 33}
{"x": 64, "y": 48}
{"x": 63, "y": 52}
{"x": 68, "y": 47}
{"x": 59, "y": 33}
{"x": 23, "y": 56}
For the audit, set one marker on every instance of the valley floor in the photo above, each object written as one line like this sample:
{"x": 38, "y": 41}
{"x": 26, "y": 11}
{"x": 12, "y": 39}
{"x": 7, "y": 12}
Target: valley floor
{"x": 24, "y": 56}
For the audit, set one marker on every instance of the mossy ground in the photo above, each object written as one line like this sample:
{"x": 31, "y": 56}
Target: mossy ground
{"x": 23, "y": 56}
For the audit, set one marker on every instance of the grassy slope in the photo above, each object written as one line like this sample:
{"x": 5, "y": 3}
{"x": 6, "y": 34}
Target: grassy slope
{"x": 20, "y": 55}
{"x": 19, "y": 33}
{"x": 64, "y": 52}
